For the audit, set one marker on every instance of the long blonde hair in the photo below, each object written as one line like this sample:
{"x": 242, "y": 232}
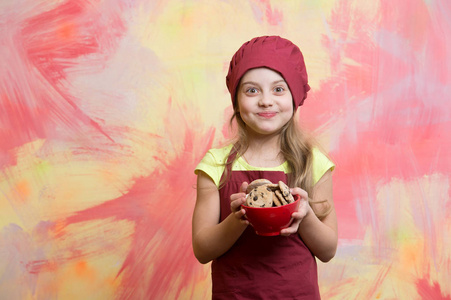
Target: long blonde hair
{"x": 295, "y": 146}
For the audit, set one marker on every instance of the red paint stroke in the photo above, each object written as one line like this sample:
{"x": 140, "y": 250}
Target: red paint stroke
{"x": 262, "y": 8}
{"x": 430, "y": 290}
{"x": 158, "y": 204}
{"x": 393, "y": 103}
{"x": 339, "y": 288}
{"x": 33, "y": 89}
{"x": 39, "y": 266}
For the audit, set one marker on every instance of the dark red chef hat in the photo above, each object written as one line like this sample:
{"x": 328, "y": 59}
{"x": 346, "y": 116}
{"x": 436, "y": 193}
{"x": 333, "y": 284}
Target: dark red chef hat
{"x": 273, "y": 52}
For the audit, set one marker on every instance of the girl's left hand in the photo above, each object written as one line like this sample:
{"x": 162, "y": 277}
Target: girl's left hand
{"x": 300, "y": 214}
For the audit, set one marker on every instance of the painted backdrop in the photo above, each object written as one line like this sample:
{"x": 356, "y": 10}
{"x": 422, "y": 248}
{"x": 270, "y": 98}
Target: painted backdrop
{"x": 107, "y": 106}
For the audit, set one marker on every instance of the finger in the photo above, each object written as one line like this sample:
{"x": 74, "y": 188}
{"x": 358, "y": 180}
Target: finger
{"x": 241, "y": 215}
{"x": 236, "y": 204}
{"x": 296, "y": 216}
{"x": 284, "y": 232}
{"x": 287, "y": 231}
{"x": 293, "y": 228}
{"x": 298, "y": 191}
{"x": 237, "y": 196}
{"x": 244, "y": 186}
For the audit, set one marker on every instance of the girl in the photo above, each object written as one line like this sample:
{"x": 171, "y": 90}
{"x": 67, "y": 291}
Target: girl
{"x": 267, "y": 81}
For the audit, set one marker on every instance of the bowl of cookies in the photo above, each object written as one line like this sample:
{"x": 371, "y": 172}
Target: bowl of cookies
{"x": 269, "y": 206}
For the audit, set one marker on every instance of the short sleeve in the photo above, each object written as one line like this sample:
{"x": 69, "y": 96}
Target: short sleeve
{"x": 321, "y": 164}
{"x": 213, "y": 163}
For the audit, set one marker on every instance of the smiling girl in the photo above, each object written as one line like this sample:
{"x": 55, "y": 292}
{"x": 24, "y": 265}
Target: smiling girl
{"x": 267, "y": 81}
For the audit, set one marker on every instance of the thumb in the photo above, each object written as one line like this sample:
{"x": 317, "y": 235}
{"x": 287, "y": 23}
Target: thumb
{"x": 244, "y": 186}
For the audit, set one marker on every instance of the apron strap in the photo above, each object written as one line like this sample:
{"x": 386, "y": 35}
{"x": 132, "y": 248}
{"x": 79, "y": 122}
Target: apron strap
{"x": 228, "y": 166}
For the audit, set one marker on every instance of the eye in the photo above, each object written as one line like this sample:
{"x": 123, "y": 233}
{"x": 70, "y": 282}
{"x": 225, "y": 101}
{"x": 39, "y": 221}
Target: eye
{"x": 279, "y": 89}
{"x": 251, "y": 90}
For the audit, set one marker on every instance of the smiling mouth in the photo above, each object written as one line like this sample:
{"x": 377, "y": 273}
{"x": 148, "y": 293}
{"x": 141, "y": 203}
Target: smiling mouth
{"x": 267, "y": 114}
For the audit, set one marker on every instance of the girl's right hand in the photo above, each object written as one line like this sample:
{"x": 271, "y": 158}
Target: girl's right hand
{"x": 236, "y": 200}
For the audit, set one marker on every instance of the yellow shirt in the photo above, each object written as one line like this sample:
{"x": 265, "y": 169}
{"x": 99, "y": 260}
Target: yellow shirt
{"x": 213, "y": 164}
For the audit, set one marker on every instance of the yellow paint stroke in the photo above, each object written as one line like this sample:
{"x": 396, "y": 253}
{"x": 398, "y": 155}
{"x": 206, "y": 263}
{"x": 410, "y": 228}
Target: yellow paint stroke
{"x": 398, "y": 251}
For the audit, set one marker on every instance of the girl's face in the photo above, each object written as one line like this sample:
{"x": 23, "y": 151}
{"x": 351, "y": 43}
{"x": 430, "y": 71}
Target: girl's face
{"x": 264, "y": 101}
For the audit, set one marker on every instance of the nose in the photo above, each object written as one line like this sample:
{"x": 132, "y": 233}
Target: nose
{"x": 265, "y": 100}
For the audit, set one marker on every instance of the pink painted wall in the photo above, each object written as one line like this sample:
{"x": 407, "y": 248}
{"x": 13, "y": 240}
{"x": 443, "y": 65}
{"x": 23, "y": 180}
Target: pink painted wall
{"x": 107, "y": 106}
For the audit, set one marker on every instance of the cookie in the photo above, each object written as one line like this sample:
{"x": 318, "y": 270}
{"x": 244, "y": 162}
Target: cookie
{"x": 261, "y": 196}
{"x": 276, "y": 200}
{"x": 285, "y": 190}
{"x": 273, "y": 186}
{"x": 256, "y": 183}
{"x": 281, "y": 198}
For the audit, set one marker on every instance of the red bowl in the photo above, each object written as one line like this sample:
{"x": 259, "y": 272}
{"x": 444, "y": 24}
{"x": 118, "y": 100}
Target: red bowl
{"x": 268, "y": 221}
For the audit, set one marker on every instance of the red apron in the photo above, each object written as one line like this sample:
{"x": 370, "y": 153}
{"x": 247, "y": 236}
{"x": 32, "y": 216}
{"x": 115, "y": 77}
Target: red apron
{"x": 262, "y": 267}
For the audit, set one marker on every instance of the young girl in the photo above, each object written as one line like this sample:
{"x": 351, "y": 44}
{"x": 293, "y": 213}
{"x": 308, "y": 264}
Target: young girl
{"x": 267, "y": 81}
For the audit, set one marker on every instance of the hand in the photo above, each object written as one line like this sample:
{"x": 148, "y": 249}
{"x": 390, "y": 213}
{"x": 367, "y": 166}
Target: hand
{"x": 299, "y": 215}
{"x": 236, "y": 200}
